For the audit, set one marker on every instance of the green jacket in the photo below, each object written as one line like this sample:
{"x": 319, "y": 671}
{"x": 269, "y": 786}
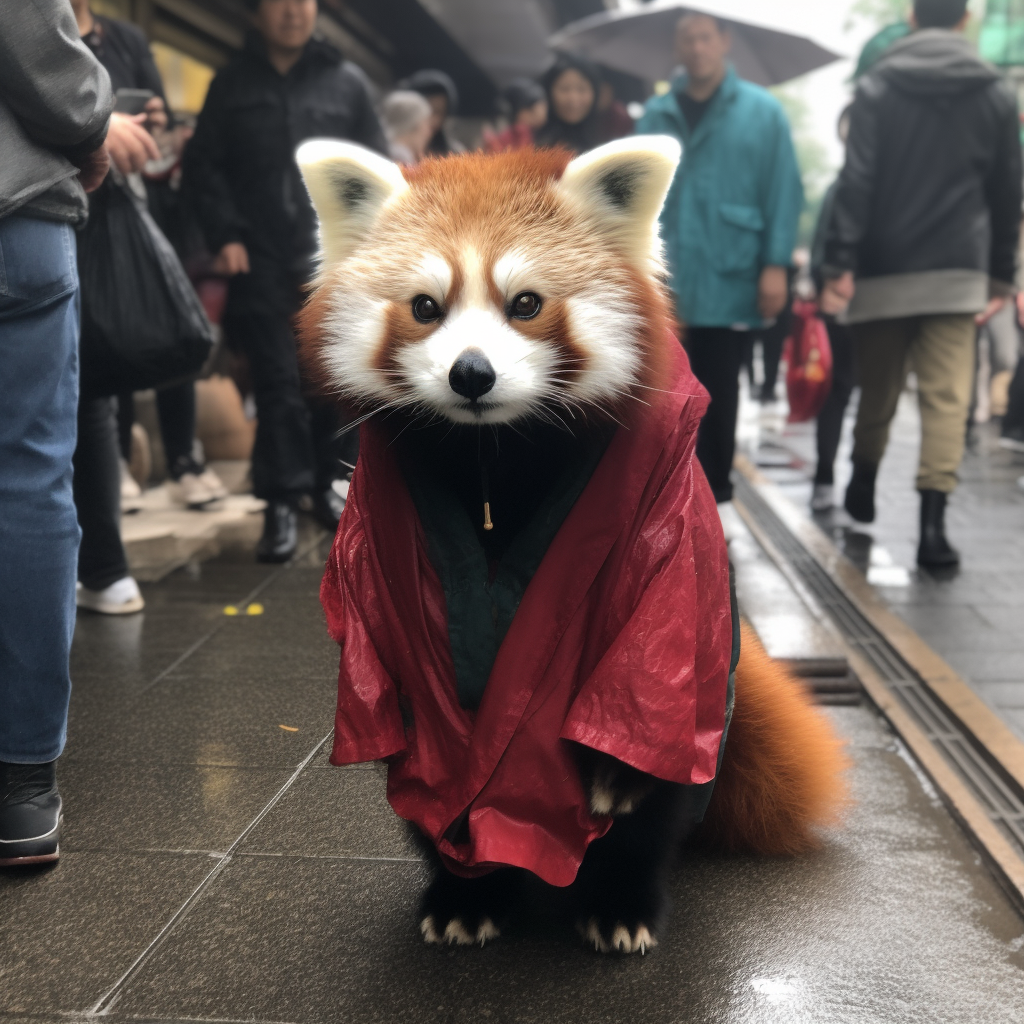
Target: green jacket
{"x": 734, "y": 203}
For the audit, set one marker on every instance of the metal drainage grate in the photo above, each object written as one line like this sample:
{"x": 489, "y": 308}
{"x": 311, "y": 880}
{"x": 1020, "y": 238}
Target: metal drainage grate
{"x": 997, "y": 791}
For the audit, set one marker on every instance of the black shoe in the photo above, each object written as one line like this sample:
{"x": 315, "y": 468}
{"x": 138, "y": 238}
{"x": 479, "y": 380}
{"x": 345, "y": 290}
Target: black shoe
{"x": 280, "y": 533}
{"x": 934, "y": 551}
{"x": 860, "y": 494}
{"x": 328, "y": 505}
{"x": 30, "y": 815}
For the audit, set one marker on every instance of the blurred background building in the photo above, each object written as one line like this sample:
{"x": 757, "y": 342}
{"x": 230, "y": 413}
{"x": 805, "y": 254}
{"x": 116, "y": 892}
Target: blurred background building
{"x": 482, "y": 45}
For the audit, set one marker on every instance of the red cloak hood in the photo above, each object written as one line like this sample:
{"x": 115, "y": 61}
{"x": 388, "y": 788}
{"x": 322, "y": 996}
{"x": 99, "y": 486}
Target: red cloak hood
{"x": 622, "y": 642}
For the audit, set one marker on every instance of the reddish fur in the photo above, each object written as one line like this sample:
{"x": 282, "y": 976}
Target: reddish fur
{"x": 782, "y": 776}
{"x": 309, "y": 337}
{"x": 499, "y": 201}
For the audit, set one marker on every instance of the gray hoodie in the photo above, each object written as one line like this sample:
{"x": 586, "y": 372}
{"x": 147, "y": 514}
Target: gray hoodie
{"x": 55, "y": 104}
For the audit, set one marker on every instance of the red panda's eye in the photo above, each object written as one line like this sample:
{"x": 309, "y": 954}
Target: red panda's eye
{"x": 525, "y": 306}
{"x": 425, "y": 309}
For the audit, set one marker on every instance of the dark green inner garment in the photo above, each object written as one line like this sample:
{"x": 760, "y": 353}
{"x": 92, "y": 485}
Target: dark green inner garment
{"x": 482, "y": 599}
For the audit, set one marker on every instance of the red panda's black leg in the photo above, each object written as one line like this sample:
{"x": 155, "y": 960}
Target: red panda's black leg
{"x": 621, "y": 892}
{"x": 467, "y": 911}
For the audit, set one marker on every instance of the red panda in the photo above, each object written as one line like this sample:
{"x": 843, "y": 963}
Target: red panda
{"x": 530, "y": 583}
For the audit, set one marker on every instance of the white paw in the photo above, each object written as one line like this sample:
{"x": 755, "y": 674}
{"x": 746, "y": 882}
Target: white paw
{"x": 457, "y": 934}
{"x": 601, "y": 800}
{"x": 622, "y": 941}
{"x": 604, "y": 800}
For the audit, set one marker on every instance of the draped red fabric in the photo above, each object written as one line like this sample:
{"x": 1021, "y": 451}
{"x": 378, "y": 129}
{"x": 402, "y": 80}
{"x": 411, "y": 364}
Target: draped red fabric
{"x": 622, "y": 642}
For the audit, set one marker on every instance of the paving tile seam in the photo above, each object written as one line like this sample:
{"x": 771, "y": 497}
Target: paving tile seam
{"x": 159, "y": 765}
{"x": 333, "y": 856}
{"x": 143, "y": 850}
{"x": 271, "y": 576}
{"x": 116, "y": 1018}
{"x": 102, "y": 1007}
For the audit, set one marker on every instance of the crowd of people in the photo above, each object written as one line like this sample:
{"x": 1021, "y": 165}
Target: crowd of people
{"x": 916, "y": 247}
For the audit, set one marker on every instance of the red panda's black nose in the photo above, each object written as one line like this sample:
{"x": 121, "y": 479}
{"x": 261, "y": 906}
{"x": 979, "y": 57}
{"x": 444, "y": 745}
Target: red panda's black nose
{"x": 471, "y": 375}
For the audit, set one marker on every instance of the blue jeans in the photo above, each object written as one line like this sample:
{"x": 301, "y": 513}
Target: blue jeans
{"x": 38, "y": 528}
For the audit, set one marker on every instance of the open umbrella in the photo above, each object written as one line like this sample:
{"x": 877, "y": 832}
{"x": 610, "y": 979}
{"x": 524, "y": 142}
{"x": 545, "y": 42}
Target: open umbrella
{"x": 641, "y": 41}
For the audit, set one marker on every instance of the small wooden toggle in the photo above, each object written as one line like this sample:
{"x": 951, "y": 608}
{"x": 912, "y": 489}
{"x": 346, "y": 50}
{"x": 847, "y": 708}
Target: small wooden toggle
{"x": 488, "y": 525}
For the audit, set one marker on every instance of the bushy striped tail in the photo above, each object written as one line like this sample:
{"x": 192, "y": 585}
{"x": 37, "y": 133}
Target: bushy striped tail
{"x": 783, "y": 773}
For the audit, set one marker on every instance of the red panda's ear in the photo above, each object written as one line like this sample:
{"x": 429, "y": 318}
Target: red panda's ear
{"x": 349, "y": 185}
{"x": 621, "y": 188}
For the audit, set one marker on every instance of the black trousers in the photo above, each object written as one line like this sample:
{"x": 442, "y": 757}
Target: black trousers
{"x": 715, "y": 356}
{"x": 296, "y": 449}
{"x": 97, "y": 488}
{"x": 830, "y": 419}
{"x": 176, "y": 411}
{"x": 772, "y": 340}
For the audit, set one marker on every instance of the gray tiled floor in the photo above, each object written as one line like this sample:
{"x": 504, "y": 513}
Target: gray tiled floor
{"x": 974, "y": 617}
{"x": 216, "y": 868}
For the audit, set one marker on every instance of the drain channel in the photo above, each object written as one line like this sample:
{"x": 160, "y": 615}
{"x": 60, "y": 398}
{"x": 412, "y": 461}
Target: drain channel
{"x": 995, "y": 790}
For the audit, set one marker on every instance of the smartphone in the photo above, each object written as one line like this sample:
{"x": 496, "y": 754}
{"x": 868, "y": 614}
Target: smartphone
{"x": 132, "y": 101}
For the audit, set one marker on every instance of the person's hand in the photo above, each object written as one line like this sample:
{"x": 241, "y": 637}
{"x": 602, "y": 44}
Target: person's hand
{"x": 92, "y": 168}
{"x": 837, "y": 293}
{"x": 994, "y": 305}
{"x": 129, "y": 144}
{"x": 232, "y": 259}
{"x": 156, "y": 114}
{"x": 772, "y": 292}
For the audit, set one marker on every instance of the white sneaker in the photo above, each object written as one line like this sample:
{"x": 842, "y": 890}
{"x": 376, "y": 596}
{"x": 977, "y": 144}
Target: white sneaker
{"x": 120, "y": 598}
{"x": 213, "y": 484}
{"x": 190, "y": 490}
{"x": 1014, "y": 444}
{"x": 131, "y": 492}
{"x": 823, "y": 498}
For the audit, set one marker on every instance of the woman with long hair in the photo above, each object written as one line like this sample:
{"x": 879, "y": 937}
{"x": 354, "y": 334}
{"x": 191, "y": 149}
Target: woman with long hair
{"x": 572, "y": 84}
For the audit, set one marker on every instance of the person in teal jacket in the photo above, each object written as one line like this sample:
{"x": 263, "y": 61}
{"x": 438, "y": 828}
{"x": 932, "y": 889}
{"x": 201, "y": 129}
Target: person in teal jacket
{"x": 729, "y": 223}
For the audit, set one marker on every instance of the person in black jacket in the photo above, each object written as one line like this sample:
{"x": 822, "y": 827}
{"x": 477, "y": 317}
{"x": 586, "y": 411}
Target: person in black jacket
{"x": 123, "y": 50}
{"x": 240, "y": 169}
{"x": 922, "y": 245}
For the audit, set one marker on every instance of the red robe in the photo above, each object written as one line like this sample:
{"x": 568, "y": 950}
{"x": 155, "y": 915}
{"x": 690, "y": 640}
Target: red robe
{"x": 622, "y": 642}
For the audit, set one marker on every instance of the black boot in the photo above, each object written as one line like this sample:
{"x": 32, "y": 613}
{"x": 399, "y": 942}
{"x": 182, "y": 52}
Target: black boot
{"x": 29, "y": 814}
{"x": 860, "y": 493}
{"x": 934, "y": 551}
{"x": 280, "y": 533}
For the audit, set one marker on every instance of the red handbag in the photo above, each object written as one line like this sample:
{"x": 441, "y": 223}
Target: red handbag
{"x": 808, "y": 356}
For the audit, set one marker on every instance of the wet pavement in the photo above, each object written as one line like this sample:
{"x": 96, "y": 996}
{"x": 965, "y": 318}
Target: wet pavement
{"x": 215, "y": 867}
{"x": 973, "y": 617}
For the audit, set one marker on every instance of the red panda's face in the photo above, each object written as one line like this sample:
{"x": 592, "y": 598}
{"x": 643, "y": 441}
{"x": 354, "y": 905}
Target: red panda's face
{"x": 489, "y": 289}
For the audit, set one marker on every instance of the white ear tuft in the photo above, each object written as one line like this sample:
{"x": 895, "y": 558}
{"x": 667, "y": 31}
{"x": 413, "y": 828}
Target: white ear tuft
{"x": 622, "y": 186}
{"x": 349, "y": 185}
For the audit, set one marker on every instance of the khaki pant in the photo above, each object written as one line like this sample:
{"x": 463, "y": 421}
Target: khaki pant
{"x": 940, "y": 350}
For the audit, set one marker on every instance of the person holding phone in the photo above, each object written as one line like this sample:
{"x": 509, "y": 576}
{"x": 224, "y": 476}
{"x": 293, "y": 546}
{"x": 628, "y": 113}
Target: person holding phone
{"x": 140, "y": 122}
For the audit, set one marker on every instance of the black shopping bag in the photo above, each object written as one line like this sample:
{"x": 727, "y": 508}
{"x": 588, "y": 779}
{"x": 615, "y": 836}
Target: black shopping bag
{"x": 142, "y": 323}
